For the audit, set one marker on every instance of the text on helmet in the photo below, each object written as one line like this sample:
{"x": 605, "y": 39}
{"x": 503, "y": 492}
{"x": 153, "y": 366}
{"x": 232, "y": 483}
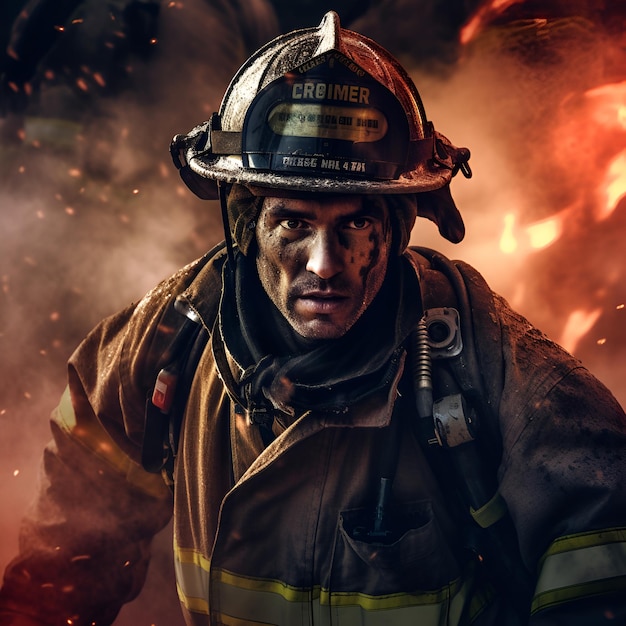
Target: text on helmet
{"x": 329, "y": 91}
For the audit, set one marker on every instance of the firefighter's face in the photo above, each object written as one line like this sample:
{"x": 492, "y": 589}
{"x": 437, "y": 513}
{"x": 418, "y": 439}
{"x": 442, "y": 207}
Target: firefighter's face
{"x": 322, "y": 260}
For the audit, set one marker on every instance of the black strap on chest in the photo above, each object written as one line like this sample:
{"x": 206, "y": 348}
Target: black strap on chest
{"x": 458, "y": 427}
{"x": 165, "y": 405}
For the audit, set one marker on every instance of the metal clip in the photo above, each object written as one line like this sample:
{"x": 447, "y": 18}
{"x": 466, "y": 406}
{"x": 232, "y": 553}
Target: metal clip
{"x": 454, "y": 421}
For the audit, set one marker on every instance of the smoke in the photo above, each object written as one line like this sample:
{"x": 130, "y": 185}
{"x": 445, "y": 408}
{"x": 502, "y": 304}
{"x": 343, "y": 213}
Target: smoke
{"x": 93, "y": 214}
{"x": 541, "y": 107}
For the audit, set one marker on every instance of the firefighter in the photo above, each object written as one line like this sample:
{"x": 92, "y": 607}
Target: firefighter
{"x": 346, "y": 429}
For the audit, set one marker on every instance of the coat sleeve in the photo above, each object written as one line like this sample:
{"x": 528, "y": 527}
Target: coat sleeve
{"x": 563, "y": 477}
{"x": 85, "y": 541}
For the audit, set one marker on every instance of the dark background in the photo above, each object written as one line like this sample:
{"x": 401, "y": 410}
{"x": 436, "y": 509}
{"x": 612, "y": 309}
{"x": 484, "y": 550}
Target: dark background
{"x": 93, "y": 214}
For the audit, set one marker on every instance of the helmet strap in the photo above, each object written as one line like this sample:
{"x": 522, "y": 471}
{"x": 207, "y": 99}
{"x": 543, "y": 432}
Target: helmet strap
{"x": 230, "y": 249}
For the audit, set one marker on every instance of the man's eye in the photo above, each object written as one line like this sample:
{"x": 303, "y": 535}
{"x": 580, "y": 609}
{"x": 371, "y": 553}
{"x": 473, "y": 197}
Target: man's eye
{"x": 359, "y": 223}
{"x": 292, "y": 224}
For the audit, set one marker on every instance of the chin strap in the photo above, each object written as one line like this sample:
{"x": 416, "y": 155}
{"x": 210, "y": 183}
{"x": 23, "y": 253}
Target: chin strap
{"x": 229, "y": 269}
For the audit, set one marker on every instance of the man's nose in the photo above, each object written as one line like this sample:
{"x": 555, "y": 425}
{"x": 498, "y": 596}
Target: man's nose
{"x": 326, "y": 255}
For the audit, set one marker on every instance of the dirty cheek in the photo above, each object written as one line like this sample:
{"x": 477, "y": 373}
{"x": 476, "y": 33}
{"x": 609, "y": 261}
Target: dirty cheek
{"x": 371, "y": 256}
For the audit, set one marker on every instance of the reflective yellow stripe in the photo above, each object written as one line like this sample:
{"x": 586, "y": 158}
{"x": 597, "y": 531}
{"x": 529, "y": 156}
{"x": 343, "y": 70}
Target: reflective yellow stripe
{"x": 272, "y": 602}
{"x": 578, "y": 566}
{"x": 249, "y": 600}
{"x": 92, "y": 435}
{"x": 491, "y": 512}
{"x": 192, "y": 579}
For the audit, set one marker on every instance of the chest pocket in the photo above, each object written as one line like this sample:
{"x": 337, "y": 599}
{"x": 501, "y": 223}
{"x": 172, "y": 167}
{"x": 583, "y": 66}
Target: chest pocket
{"x": 411, "y": 578}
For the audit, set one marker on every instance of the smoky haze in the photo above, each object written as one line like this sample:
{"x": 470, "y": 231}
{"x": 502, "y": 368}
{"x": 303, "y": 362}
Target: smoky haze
{"x": 93, "y": 214}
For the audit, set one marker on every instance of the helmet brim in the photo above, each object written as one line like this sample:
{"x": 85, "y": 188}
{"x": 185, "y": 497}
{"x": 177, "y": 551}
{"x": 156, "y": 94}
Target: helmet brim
{"x": 229, "y": 169}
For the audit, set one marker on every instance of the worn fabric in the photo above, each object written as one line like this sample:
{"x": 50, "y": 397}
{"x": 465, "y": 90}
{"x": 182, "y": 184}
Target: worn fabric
{"x": 281, "y": 534}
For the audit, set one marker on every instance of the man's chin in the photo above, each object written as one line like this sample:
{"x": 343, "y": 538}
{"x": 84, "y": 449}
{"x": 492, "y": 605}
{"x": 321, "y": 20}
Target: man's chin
{"x": 320, "y": 328}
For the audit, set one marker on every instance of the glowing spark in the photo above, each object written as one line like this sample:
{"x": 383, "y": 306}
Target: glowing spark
{"x": 99, "y": 79}
{"x": 508, "y": 243}
{"x": 21, "y": 169}
{"x": 577, "y": 326}
{"x": 620, "y": 306}
{"x": 135, "y": 191}
{"x": 69, "y": 210}
{"x": 16, "y": 472}
{"x": 59, "y": 28}
{"x": 81, "y": 557}
{"x": 82, "y": 85}
{"x": 601, "y": 341}
{"x": 153, "y": 40}
{"x": 27, "y": 395}
{"x": 77, "y": 21}
{"x": 54, "y": 316}
{"x": 74, "y": 172}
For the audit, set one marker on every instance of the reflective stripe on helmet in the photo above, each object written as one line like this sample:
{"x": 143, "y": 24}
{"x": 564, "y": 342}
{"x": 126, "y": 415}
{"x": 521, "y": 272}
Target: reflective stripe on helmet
{"x": 579, "y": 566}
{"x": 249, "y": 600}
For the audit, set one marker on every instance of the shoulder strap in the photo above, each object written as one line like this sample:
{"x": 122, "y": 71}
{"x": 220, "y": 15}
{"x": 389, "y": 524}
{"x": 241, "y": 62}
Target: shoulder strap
{"x": 469, "y": 467}
{"x": 476, "y": 366}
{"x": 166, "y": 401}
{"x": 166, "y": 404}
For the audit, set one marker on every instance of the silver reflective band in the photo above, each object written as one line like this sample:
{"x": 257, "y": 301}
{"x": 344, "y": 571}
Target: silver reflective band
{"x": 582, "y": 565}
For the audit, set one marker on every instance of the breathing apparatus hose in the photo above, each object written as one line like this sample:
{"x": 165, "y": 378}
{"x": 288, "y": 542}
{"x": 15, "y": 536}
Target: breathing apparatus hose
{"x": 473, "y": 475}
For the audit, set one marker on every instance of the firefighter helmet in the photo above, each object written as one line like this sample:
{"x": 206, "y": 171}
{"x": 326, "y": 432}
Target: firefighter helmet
{"x": 323, "y": 109}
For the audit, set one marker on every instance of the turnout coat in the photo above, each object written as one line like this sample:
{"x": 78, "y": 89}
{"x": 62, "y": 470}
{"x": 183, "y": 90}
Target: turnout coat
{"x": 269, "y": 534}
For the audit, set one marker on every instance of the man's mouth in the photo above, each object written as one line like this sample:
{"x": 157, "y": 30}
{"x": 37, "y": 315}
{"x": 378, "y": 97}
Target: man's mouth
{"x": 321, "y": 302}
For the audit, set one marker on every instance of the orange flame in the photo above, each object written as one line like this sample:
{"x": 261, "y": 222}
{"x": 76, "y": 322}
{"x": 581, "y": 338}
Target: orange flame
{"x": 535, "y": 236}
{"x": 614, "y": 184}
{"x": 578, "y": 324}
